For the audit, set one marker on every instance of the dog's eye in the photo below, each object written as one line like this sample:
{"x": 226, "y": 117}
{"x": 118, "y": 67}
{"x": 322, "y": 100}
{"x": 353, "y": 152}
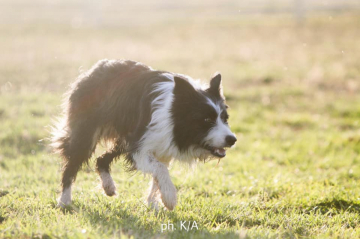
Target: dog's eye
{"x": 208, "y": 120}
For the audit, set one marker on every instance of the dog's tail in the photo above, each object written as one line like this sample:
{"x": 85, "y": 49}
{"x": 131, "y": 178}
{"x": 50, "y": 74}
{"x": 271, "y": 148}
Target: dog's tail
{"x": 60, "y": 135}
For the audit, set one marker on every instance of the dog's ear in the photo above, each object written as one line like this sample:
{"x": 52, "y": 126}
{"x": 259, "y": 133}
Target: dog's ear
{"x": 182, "y": 86}
{"x": 215, "y": 85}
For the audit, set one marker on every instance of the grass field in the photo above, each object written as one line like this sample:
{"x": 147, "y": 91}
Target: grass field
{"x": 294, "y": 93}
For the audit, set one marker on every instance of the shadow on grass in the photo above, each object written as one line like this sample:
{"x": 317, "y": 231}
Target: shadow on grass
{"x": 3, "y": 193}
{"x": 2, "y": 219}
{"x": 334, "y": 206}
{"x": 146, "y": 223}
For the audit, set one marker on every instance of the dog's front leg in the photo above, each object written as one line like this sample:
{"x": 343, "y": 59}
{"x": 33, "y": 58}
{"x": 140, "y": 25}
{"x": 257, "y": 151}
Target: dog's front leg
{"x": 161, "y": 179}
{"x": 154, "y": 195}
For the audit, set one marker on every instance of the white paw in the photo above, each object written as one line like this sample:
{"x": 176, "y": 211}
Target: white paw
{"x": 153, "y": 203}
{"x": 168, "y": 196}
{"x": 108, "y": 183}
{"x": 63, "y": 204}
{"x": 65, "y": 198}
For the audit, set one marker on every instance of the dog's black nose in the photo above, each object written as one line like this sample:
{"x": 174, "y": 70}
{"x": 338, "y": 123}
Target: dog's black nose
{"x": 230, "y": 140}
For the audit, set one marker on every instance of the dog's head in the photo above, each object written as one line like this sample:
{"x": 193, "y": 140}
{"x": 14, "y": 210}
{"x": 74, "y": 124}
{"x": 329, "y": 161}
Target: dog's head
{"x": 200, "y": 117}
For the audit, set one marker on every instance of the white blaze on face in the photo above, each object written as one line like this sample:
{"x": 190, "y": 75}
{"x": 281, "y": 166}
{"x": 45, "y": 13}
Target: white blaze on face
{"x": 217, "y": 134}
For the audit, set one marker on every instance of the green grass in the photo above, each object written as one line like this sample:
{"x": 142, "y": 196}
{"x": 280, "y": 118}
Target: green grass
{"x": 295, "y": 107}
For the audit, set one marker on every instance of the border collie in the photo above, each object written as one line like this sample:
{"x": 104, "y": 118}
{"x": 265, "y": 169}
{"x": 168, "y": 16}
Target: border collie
{"x": 150, "y": 117}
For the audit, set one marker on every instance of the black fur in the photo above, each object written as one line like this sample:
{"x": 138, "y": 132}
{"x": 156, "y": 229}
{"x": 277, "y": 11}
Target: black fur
{"x": 103, "y": 162}
{"x": 119, "y": 102}
{"x": 193, "y": 117}
{"x": 112, "y": 102}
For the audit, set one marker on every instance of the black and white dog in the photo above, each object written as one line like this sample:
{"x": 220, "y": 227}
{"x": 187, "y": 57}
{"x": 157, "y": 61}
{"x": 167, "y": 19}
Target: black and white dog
{"x": 149, "y": 116}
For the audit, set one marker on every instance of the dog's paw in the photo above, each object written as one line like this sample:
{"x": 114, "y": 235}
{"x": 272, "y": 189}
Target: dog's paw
{"x": 63, "y": 204}
{"x": 168, "y": 196}
{"x": 153, "y": 200}
{"x": 153, "y": 204}
{"x": 109, "y": 189}
{"x": 64, "y": 200}
{"x": 108, "y": 184}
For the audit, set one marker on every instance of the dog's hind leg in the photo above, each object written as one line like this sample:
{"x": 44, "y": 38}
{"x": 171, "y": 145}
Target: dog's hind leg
{"x": 76, "y": 149}
{"x": 103, "y": 168}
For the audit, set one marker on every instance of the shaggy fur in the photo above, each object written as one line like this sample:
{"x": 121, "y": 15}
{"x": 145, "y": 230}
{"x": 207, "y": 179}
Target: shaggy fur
{"x": 150, "y": 116}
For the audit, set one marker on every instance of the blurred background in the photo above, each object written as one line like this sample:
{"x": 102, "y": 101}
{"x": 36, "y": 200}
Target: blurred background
{"x": 44, "y": 42}
{"x": 291, "y": 75}
{"x": 293, "y": 59}
{"x": 285, "y": 62}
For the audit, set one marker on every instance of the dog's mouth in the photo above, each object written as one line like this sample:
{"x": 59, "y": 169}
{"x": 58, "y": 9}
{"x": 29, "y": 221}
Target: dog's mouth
{"x": 217, "y": 152}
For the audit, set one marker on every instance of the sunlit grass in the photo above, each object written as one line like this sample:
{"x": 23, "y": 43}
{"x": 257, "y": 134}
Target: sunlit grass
{"x": 295, "y": 107}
